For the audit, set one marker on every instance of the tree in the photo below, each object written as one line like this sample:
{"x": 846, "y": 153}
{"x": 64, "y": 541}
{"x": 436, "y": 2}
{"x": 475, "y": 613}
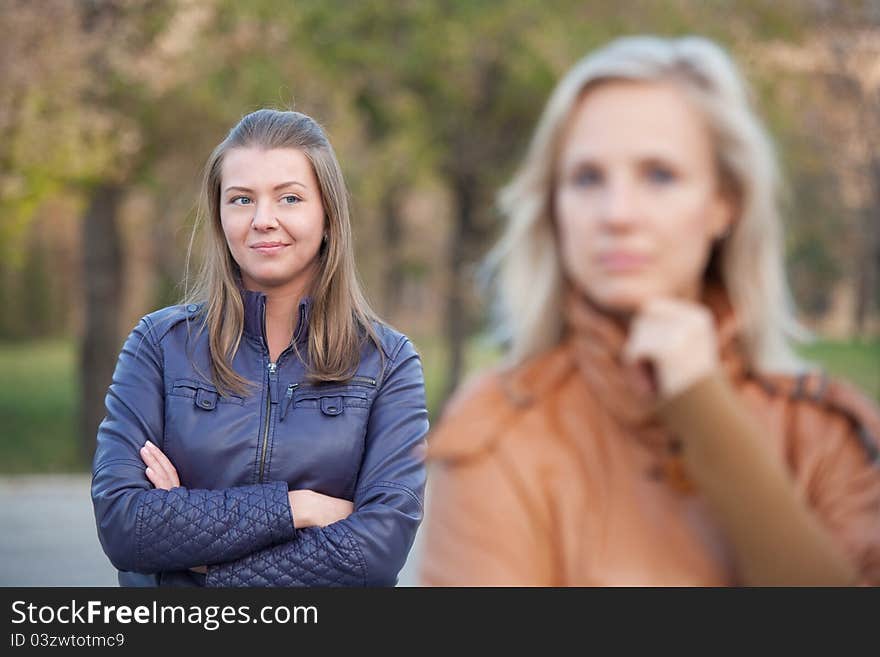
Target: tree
{"x": 839, "y": 54}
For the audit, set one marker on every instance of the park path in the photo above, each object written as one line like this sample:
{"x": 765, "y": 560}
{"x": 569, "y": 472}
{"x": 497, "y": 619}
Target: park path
{"x": 48, "y": 536}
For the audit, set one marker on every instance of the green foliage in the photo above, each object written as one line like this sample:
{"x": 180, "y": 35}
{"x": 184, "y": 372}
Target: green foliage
{"x": 38, "y": 408}
{"x": 17, "y": 209}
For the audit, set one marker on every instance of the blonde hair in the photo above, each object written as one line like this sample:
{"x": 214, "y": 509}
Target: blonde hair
{"x": 340, "y": 317}
{"x": 525, "y": 264}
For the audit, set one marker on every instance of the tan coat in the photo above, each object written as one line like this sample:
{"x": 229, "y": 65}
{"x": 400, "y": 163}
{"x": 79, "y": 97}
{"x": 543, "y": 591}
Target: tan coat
{"x": 556, "y": 475}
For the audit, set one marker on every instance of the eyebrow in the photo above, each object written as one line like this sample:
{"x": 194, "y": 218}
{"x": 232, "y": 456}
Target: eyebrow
{"x": 289, "y": 183}
{"x": 651, "y": 157}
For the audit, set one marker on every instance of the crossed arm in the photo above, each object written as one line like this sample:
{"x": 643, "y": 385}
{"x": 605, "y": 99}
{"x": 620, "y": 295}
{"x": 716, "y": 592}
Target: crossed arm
{"x": 312, "y": 509}
{"x": 248, "y": 535}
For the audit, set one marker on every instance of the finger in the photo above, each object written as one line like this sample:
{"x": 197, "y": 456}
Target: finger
{"x": 149, "y": 458}
{"x": 157, "y": 479}
{"x": 163, "y": 461}
{"x": 165, "y": 479}
{"x": 678, "y": 316}
{"x": 640, "y": 345}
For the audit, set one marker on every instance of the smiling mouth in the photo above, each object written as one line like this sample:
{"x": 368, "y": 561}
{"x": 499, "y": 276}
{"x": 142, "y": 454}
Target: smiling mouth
{"x": 269, "y": 248}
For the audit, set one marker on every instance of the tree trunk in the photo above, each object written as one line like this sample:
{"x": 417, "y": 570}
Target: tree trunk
{"x": 393, "y": 274}
{"x": 464, "y": 192}
{"x": 868, "y": 268}
{"x": 102, "y": 281}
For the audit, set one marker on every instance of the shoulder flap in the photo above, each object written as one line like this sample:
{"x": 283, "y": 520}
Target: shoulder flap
{"x": 486, "y": 406}
{"x": 165, "y": 319}
{"x": 472, "y": 420}
{"x": 837, "y": 396}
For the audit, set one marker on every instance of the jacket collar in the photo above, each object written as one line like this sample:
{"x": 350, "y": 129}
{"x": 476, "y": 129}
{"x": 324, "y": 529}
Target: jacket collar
{"x": 255, "y": 317}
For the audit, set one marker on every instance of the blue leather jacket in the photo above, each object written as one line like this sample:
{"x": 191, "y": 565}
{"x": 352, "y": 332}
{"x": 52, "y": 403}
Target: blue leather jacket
{"x": 237, "y": 457}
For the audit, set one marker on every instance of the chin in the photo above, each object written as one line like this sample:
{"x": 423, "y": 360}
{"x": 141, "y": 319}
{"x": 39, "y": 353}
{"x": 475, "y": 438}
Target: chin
{"x": 620, "y": 300}
{"x": 268, "y": 283}
{"x": 279, "y": 276}
{"x": 268, "y": 279}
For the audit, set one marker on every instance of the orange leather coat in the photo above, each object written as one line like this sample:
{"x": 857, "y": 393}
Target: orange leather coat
{"x": 558, "y": 474}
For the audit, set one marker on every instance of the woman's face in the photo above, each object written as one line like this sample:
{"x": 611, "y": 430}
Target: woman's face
{"x": 637, "y": 199}
{"x": 272, "y": 216}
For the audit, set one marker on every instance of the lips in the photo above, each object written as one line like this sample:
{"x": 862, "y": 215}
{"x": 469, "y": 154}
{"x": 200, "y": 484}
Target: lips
{"x": 622, "y": 261}
{"x": 268, "y": 247}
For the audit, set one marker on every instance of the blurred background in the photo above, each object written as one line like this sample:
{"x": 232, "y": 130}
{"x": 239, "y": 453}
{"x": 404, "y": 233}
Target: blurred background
{"x": 109, "y": 108}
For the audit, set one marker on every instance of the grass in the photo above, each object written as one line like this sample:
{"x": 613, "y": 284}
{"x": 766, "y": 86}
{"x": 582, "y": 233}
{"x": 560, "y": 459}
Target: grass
{"x": 38, "y": 393}
{"x": 38, "y": 400}
{"x": 858, "y": 362}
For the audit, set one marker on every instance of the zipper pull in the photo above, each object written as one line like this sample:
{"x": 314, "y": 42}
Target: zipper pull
{"x": 288, "y": 398}
{"x": 273, "y": 367}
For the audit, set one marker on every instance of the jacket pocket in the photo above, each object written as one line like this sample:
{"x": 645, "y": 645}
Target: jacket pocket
{"x": 319, "y": 439}
{"x": 330, "y": 399}
{"x": 205, "y": 396}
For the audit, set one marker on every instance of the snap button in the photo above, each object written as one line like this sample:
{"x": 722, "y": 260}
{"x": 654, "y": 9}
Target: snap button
{"x": 331, "y": 405}
{"x": 191, "y": 308}
{"x": 206, "y": 399}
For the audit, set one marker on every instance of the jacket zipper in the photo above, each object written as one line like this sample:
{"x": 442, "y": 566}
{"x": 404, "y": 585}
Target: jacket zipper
{"x": 270, "y": 371}
{"x": 288, "y": 398}
{"x": 291, "y": 389}
{"x": 272, "y": 368}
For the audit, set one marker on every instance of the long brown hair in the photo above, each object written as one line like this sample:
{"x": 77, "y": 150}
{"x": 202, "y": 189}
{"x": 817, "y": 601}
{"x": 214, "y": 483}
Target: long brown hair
{"x": 340, "y": 318}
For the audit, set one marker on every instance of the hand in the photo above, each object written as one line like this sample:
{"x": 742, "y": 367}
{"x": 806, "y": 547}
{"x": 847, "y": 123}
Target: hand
{"x": 672, "y": 344}
{"x": 163, "y": 475}
{"x": 160, "y": 471}
{"x": 312, "y": 509}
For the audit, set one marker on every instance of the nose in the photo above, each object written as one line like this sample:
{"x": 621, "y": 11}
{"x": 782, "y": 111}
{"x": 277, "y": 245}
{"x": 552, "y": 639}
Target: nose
{"x": 264, "y": 218}
{"x": 618, "y": 206}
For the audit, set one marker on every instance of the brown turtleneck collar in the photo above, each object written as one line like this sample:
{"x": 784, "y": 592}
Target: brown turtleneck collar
{"x": 596, "y": 341}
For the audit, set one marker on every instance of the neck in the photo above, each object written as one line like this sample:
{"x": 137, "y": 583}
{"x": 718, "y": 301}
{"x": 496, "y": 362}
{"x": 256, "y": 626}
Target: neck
{"x": 620, "y": 318}
{"x": 281, "y": 312}
{"x": 282, "y": 303}
{"x": 281, "y": 319}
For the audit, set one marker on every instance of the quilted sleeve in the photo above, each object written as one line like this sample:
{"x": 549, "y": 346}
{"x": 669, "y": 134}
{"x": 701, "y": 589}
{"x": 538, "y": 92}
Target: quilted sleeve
{"x": 370, "y": 546}
{"x": 146, "y": 530}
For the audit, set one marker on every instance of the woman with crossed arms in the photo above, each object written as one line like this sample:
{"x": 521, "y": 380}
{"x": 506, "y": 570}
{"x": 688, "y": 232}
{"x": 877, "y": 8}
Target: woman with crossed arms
{"x": 270, "y": 430}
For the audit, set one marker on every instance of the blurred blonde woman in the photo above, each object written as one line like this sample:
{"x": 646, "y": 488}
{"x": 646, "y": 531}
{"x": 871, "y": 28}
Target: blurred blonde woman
{"x": 650, "y": 425}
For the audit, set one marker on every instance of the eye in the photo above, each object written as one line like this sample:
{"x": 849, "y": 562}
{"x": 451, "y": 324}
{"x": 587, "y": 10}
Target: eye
{"x": 291, "y": 199}
{"x": 587, "y": 176}
{"x": 240, "y": 200}
{"x": 660, "y": 174}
